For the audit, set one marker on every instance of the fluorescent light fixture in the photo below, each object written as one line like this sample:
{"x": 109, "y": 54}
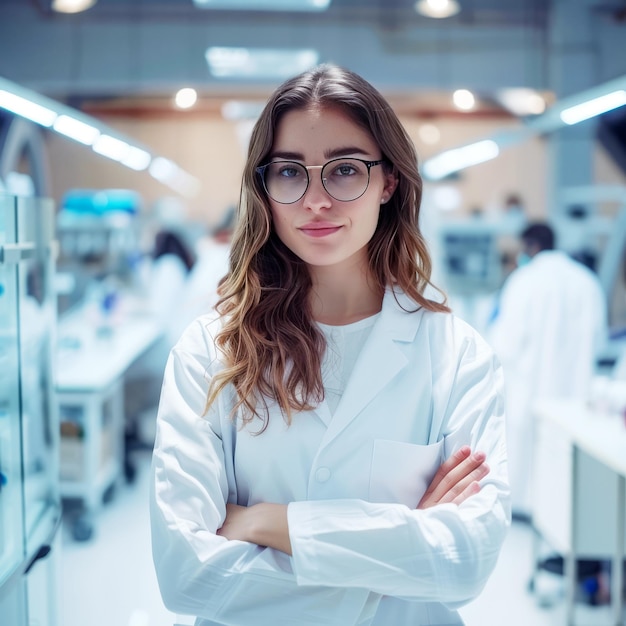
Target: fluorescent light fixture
{"x": 26, "y": 108}
{"x": 570, "y": 110}
{"x": 111, "y": 147}
{"x": 266, "y": 5}
{"x": 452, "y": 161}
{"x": 437, "y": 8}
{"x": 593, "y": 107}
{"x": 162, "y": 169}
{"x": 522, "y": 101}
{"x": 259, "y": 62}
{"x": 87, "y": 130}
{"x": 72, "y": 6}
{"x": 75, "y": 129}
{"x": 137, "y": 159}
{"x": 168, "y": 173}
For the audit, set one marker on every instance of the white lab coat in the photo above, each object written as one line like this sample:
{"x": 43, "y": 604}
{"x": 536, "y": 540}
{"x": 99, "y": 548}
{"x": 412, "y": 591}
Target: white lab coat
{"x": 424, "y": 385}
{"x": 550, "y": 326}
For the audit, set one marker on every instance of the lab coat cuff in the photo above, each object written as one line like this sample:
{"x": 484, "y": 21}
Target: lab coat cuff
{"x": 303, "y": 550}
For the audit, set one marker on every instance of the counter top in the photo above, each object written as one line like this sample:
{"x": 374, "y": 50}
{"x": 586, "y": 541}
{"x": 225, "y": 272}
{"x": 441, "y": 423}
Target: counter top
{"x": 91, "y": 356}
{"x": 600, "y": 435}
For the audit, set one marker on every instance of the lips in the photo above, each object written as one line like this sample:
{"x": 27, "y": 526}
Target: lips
{"x": 319, "y": 229}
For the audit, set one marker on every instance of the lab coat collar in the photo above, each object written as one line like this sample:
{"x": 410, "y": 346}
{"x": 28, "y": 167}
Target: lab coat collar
{"x": 380, "y": 361}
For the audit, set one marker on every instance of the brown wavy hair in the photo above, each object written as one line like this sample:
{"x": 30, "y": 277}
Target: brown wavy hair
{"x": 271, "y": 345}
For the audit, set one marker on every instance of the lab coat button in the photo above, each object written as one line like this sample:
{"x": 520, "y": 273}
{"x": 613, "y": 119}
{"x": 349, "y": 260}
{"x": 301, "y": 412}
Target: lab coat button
{"x": 322, "y": 474}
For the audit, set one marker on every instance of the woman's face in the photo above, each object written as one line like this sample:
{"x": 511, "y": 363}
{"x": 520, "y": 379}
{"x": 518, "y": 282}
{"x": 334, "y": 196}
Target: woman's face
{"x": 318, "y": 228}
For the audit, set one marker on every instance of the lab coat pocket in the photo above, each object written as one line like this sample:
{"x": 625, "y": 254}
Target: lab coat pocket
{"x": 401, "y": 472}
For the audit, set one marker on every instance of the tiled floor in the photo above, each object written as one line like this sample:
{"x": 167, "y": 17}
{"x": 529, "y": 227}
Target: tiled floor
{"x": 109, "y": 581}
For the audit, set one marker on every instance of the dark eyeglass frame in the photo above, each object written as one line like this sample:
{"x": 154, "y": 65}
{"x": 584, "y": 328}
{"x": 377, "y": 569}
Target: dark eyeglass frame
{"x": 369, "y": 164}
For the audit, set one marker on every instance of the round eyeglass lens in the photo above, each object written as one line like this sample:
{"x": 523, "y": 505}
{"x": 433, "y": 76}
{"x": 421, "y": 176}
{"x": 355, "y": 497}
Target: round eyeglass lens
{"x": 285, "y": 181}
{"x": 344, "y": 179}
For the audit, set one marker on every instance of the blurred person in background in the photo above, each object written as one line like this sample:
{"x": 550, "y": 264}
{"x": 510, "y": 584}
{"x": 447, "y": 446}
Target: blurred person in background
{"x": 172, "y": 262}
{"x": 199, "y": 294}
{"x": 550, "y": 324}
{"x": 166, "y": 274}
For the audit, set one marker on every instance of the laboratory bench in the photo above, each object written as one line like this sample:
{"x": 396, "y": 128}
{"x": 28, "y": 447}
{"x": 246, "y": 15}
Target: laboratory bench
{"x": 93, "y": 357}
{"x": 579, "y": 500}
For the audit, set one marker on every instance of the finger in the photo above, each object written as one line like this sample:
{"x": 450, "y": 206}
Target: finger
{"x": 457, "y": 473}
{"x": 447, "y": 466}
{"x": 461, "y": 485}
{"x": 472, "y": 489}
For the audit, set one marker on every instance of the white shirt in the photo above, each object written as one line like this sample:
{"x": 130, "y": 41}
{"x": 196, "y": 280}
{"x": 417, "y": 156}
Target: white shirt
{"x": 423, "y": 385}
{"x": 343, "y": 345}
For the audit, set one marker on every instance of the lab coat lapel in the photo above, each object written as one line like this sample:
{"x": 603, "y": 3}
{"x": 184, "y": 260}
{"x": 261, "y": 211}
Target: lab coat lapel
{"x": 379, "y": 362}
{"x": 322, "y": 410}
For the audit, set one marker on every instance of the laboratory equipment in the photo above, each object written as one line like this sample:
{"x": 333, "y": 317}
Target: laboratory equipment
{"x": 599, "y": 236}
{"x": 471, "y": 267}
{"x": 471, "y": 256}
{"x": 99, "y": 243}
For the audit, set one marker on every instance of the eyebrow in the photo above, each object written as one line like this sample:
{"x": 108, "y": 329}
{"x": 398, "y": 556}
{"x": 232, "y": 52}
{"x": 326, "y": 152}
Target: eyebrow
{"x": 328, "y": 154}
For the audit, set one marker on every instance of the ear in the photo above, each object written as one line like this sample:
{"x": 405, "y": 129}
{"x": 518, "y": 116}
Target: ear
{"x": 391, "y": 182}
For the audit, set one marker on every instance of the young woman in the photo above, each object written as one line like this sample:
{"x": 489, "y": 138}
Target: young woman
{"x": 330, "y": 444}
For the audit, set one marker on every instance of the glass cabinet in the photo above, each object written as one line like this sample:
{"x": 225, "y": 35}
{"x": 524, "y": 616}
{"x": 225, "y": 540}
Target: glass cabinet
{"x": 30, "y": 508}
{"x": 12, "y": 542}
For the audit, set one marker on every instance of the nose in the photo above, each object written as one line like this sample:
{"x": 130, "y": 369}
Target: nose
{"x": 316, "y": 197}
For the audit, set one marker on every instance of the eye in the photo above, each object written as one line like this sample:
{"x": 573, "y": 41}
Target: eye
{"x": 347, "y": 168}
{"x": 287, "y": 170}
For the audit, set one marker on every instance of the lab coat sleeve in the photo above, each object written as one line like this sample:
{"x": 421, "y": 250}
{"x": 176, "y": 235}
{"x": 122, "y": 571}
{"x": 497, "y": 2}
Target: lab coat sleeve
{"x": 445, "y": 553}
{"x": 199, "y": 572}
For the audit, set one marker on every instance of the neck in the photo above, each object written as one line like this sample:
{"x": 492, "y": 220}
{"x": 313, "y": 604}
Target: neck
{"x": 338, "y": 299}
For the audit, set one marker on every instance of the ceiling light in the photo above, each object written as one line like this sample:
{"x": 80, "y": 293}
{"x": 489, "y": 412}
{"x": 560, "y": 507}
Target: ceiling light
{"x": 437, "y": 8}
{"x": 429, "y": 133}
{"x": 86, "y": 130}
{"x": 162, "y": 169}
{"x": 75, "y": 129}
{"x": 72, "y": 6}
{"x": 570, "y": 110}
{"x": 111, "y": 147}
{"x": 267, "y": 5}
{"x": 463, "y": 99}
{"x": 26, "y": 108}
{"x": 137, "y": 159}
{"x": 168, "y": 173}
{"x": 259, "y": 62}
{"x": 596, "y": 106}
{"x": 185, "y": 98}
{"x": 452, "y": 161}
{"x": 522, "y": 101}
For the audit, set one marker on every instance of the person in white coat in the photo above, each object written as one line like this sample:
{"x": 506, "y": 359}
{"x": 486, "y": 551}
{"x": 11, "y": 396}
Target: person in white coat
{"x": 550, "y": 325}
{"x": 200, "y": 291}
{"x": 331, "y": 443}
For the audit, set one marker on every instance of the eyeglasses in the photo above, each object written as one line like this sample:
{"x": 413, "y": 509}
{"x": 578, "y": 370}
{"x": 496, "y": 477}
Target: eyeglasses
{"x": 286, "y": 182}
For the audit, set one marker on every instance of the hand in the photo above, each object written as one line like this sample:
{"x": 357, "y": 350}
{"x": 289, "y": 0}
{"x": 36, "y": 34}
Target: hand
{"x": 237, "y": 523}
{"x": 264, "y": 524}
{"x": 456, "y": 479}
